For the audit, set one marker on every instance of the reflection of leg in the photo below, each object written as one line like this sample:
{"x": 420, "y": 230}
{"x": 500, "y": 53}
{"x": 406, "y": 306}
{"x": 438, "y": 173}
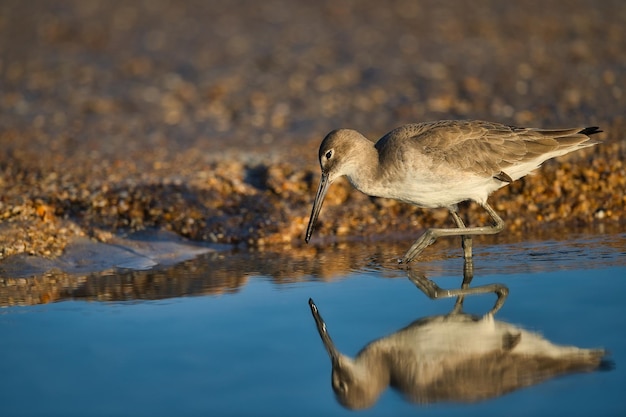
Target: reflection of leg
{"x": 431, "y": 235}
{"x": 433, "y": 291}
{"x": 468, "y": 275}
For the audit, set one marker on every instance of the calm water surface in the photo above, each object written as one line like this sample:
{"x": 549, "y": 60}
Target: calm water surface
{"x": 232, "y": 334}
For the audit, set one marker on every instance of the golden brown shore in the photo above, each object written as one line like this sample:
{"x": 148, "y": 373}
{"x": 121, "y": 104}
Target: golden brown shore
{"x": 204, "y": 118}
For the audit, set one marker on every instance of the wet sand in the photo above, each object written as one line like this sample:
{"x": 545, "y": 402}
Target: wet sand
{"x": 162, "y": 269}
{"x": 204, "y": 118}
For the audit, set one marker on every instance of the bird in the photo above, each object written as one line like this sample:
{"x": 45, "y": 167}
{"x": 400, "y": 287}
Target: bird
{"x": 455, "y": 357}
{"x": 441, "y": 164}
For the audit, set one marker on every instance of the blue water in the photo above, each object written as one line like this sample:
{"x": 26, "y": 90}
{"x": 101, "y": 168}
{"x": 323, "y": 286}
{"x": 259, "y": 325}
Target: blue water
{"x": 254, "y": 350}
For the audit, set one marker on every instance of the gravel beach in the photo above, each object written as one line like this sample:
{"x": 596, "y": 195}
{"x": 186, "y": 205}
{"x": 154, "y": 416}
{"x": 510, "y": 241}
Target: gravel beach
{"x": 203, "y": 118}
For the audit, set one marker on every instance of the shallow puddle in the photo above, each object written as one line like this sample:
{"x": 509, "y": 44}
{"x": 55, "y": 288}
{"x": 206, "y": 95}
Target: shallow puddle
{"x": 231, "y": 333}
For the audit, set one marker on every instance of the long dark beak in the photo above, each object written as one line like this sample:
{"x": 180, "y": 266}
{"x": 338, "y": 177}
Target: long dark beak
{"x": 321, "y": 328}
{"x": 317, "y": 205}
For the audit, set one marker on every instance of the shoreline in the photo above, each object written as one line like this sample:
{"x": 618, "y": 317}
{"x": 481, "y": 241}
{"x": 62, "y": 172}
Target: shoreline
{"x": 231, "y": 203}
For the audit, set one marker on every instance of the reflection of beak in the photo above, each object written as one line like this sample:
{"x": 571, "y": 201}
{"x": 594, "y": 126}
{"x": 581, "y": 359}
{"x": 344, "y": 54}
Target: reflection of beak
{"x": 321, "y": 328}
{"x": 317, "y": 205}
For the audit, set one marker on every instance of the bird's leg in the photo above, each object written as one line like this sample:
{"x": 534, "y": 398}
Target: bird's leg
{"x": 466, "y": 241}
{"x": 431, "y": 235}
{"x": 433, "y": 291}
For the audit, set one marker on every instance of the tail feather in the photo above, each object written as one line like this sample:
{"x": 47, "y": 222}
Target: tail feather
{"x": 573, "y": 140}
{"x": 578, "y": 138}
{"x": 592, "y": 130}
{"x": 565, "y": 137}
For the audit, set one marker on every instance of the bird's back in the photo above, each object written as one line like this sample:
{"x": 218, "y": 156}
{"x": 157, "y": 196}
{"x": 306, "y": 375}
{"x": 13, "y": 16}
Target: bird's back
{"x": 481, "y": 156}
{"x": 483, "y": 147}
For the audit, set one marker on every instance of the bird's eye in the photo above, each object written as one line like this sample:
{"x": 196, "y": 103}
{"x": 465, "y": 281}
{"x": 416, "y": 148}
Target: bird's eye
{"x": 329, "y": 154}
{"x": 340, "y": 387}
{"x": 343, "y": 386}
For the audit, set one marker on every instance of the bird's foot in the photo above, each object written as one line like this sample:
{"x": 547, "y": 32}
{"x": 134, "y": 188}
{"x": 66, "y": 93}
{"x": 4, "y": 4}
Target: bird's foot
{"x": 424, "y": 241}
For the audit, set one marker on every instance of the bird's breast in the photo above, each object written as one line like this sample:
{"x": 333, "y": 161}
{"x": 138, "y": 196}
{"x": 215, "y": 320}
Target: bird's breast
{"x": 431, "y": 191}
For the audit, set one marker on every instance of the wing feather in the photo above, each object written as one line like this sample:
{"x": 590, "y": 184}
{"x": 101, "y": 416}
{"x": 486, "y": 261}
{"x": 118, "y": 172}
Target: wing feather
{"x": 487, "y": 148}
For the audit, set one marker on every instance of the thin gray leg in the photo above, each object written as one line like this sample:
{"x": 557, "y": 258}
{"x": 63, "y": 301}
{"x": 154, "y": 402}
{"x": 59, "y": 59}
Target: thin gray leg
{"x": 466, "y": 241}
{"x": 431, "y": 235}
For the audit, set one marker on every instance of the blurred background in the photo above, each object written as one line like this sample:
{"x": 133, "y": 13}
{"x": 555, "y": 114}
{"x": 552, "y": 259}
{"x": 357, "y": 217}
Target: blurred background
{"x": 135, "y": 135}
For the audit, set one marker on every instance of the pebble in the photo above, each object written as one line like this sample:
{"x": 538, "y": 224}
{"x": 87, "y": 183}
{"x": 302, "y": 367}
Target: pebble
{"x": 121, "y": 117}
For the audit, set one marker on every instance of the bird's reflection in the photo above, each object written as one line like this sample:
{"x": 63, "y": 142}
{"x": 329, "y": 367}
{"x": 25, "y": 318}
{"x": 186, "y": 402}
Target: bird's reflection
{"x": 455, "y": 357}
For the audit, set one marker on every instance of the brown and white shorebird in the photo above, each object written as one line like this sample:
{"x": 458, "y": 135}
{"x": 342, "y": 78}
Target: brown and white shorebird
{"x": 440, "y": 164}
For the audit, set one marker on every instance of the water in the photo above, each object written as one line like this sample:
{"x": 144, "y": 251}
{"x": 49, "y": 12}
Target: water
{"x": 232, "y": 333}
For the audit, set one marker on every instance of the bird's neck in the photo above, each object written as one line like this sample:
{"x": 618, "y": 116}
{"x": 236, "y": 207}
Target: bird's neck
{"x": 375, "y": 363}
{"x": 364, "y": 172}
